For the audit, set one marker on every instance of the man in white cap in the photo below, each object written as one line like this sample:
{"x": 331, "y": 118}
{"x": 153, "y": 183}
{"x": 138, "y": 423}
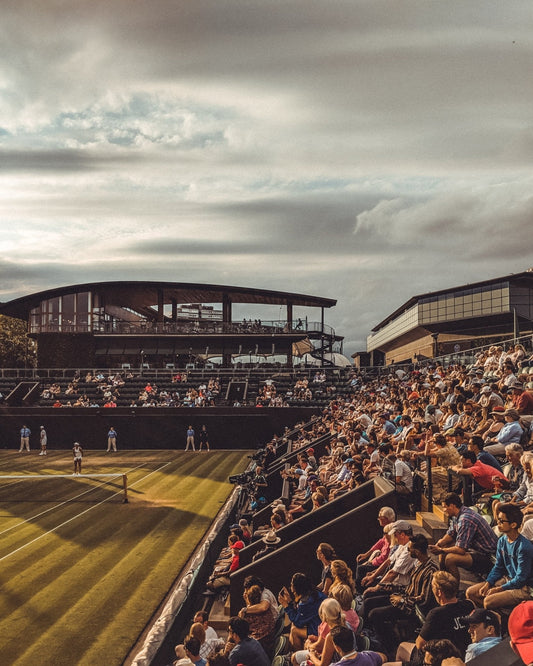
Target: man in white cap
{"x": 43, "y": 440}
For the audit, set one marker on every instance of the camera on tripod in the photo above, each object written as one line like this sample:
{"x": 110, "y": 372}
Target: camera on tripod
{"x": 241, "y": 479}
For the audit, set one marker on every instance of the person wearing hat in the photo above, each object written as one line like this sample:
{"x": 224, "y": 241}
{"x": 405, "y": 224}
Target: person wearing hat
{"x": 484, "y": 628}
{"x": 489, "y": 399}
{"x": 43, "y": 440}
{"x": 401, "y": 605}
{"x": 311, "y": 458}
{"x": 77, "y": 452}
{"x": 522, "y": 400}
{"x": 456, "y": 437}
{"x": 520, "y": 627}
{"x": 220, "y": 578}
{"x": 271, "y": 541}
{"x": 395, "y": 570}
{"x": 510, "y": 432}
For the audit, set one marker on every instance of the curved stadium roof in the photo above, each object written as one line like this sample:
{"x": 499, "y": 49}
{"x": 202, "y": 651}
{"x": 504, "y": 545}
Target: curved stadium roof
{"x": 141, "y": 294}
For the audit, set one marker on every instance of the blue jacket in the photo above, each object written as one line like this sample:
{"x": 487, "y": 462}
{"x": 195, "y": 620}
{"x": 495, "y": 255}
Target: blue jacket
{"x": 305, "y": 613}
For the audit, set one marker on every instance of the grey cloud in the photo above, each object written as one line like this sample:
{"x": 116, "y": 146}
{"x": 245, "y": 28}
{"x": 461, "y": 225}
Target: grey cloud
{"x": 52, "y": 160}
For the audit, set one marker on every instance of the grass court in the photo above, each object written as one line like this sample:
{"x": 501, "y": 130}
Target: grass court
{"x": 82, "y": 573}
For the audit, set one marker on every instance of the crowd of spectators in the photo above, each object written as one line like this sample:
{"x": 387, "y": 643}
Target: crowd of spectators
{"x": 402, "y": 600}
{"x": 101, "y": 389}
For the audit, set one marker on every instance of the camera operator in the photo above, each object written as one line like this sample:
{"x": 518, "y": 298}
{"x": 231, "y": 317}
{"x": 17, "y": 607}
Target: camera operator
{"x": 259, "y": 480}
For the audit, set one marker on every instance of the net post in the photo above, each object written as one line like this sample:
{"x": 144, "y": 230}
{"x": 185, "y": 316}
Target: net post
{"x": 125, "y": 486}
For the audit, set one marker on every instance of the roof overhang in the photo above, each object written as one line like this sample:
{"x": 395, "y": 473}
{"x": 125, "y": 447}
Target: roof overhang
{"x": 139, "y": 295}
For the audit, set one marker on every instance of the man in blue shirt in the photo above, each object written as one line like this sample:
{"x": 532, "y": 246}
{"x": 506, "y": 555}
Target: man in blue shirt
{"x": 25, "y": 433}
{"x": 484, "y": 629}
{"x": 510, "y": 579}
{"x": 190, "y": 438}
{"x": 476, "y": 444}
{"x": 112, "y": 440}
{"x": 469, "y": 541}
{"x": 247, "y": 651}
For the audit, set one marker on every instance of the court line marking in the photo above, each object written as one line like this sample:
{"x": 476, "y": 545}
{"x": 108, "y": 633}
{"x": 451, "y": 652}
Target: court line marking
{"x": 56, "y": 506}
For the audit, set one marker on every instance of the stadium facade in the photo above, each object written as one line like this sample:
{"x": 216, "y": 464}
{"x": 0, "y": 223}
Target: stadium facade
{"x": 450, "y": 320}
{"x": 162, "y": 324}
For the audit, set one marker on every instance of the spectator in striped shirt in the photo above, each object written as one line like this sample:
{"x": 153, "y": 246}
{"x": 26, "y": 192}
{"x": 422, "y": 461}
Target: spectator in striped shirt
{"x": 401, "y": 603}
{"x": 469, "y": 541}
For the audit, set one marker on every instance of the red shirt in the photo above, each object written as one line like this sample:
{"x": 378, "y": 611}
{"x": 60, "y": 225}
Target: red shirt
{"x": 483, "y": 474}
{"x": 523, "y": 402}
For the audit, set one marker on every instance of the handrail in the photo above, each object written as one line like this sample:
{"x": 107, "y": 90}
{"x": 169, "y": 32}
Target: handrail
{"x": 67, "y": 374}
{"x": 200, "y": 326}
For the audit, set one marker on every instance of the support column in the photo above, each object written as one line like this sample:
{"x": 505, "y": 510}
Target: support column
{"x": 226, "y": 311}
{"x": 160, "y": 306}
{"x": 174, "y": 303}
{"x": 226, "y": 324}
{"x": 289, "y": 317}
{"x": 322, "y": 337}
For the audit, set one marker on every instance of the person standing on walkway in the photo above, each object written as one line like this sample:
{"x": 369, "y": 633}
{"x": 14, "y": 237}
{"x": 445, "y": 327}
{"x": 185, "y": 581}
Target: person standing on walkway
{"x": 43, "y": 439}
{"x": 25, "y": 433}
{"x": 78, "y": 456}
{"x": 204, "y": 438}
{"x": 190, "y": 438}
{"x": 112, "y": 440}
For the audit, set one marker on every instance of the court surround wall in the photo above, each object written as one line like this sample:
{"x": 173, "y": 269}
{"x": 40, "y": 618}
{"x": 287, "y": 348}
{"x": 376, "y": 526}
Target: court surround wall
{"x": 149, "y": 427}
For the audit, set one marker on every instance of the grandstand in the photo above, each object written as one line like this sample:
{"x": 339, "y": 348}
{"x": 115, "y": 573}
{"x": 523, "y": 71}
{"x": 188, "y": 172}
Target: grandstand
{"x": 348, "y": 522}
{"x": 280, "y": 412}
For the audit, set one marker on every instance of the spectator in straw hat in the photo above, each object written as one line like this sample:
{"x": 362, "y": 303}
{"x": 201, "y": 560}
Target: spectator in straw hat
{"x": 511, "y": 432}
{"x": 271, "y": 541}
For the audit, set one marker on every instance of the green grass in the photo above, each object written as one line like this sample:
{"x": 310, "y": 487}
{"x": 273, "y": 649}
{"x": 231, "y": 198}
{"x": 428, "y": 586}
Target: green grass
{"x": 81, "y": 573}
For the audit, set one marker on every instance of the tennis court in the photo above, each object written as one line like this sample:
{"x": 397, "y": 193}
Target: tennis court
{"x": 82, "y": 572}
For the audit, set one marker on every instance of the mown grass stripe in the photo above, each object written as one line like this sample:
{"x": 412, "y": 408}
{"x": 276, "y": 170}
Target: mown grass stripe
{"x": 107, "y": 571}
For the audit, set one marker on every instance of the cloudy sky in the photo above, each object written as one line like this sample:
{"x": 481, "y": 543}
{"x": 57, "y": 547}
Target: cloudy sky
{"x": 363, "y": 150}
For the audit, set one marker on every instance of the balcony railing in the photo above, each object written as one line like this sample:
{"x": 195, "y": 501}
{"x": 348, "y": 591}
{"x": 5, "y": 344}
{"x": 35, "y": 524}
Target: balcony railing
{"x": 186, "y": 328}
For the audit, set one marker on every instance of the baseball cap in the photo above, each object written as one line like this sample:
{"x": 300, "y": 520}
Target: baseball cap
{"x": 482, "y": 615}
{"x": 520, "y": 629}
{"x": 238, "y": 545}
{"x": 400, "y": 526}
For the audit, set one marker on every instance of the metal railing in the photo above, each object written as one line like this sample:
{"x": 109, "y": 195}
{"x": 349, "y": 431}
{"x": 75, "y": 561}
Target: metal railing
{"x": 205, "y": 327}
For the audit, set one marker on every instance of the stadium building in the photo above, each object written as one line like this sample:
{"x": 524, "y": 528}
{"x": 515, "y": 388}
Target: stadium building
{"x": 166, "y": 324}
{"x": 452, "y": 320}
